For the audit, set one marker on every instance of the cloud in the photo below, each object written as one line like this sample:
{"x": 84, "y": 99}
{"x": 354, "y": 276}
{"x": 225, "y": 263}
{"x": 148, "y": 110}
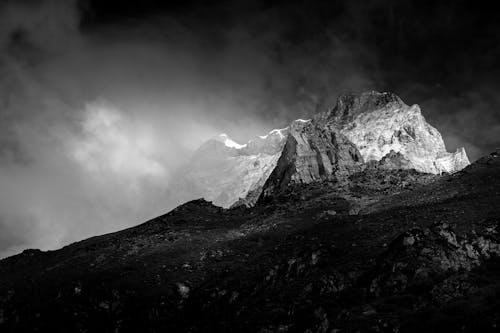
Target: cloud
{"x": 111, "y": 144}
{"x": 30, "y": 30}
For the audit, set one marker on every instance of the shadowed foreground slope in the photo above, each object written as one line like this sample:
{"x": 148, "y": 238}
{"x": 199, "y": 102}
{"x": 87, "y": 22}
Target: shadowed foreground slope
{"x": 385, "y": 251}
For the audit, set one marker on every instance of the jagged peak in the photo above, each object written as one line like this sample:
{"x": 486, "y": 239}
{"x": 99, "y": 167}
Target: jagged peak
{"x": 282, "y": 132}
{"x": 372, "y": 128}
{"x": 279, "y": 131}
{"x": 350, "y": 105}
{"x": 369, "y": 99}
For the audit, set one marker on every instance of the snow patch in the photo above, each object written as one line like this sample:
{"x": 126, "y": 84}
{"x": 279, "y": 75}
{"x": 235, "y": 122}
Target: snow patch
{"x": 230, "y": 143}
{"x": 279, "y": 131}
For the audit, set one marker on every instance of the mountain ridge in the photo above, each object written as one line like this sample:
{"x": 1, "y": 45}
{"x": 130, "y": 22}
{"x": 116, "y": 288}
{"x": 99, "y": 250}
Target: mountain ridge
{"x": 357, "y": 130}
{"x": 328, "y": 242}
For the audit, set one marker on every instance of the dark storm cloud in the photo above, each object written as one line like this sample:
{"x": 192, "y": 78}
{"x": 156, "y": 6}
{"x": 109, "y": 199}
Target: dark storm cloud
{"x": 101, "y": 101}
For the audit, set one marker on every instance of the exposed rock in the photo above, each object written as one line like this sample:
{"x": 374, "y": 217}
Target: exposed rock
{"x": 183, "y": 290}
{"x": 361, "y": 129}
{"x": 378, "y": 123}
{"x": 393, "y": 161}
{"x": 312, "y": 152}
{"x": 425, "y": 258}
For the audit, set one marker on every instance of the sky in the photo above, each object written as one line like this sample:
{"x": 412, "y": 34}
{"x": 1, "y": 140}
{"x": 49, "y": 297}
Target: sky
{"x": 101, "y": 102}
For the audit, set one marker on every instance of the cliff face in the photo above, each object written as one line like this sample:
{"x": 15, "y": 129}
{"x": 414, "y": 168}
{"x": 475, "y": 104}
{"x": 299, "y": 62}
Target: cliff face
{"x": 360, "y": 129}
{"x": 313, "y": 152}
{"x": 378, "y": 123}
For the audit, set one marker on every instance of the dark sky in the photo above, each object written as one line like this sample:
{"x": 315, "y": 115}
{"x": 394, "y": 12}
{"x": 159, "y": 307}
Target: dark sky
{"x": 102, "y": 101}
{"x": 441, "y": 55}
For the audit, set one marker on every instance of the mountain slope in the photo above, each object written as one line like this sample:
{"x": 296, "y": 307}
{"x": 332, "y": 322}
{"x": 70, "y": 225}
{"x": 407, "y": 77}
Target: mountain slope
{"x": 359, "y": 129}
{"x": 378, "y": 252}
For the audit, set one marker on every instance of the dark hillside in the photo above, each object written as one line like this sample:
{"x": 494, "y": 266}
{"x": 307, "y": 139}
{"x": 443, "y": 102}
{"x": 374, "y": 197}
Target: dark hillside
{"x": 388, "y": 251}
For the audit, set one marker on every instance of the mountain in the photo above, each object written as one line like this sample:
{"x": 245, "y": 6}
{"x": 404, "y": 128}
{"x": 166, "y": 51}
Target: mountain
{"x": 223, "y": 171}
{"x": 359, "y": 129}
{"x": 351, "y": 228}
{"x": 389, "y": 250}
{"x": 378, "y": 123}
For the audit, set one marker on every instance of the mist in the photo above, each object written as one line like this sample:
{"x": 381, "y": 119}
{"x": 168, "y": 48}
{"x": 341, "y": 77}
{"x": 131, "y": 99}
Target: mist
{"x": 97, "y": 113}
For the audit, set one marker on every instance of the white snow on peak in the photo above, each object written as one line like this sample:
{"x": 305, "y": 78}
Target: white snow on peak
{"x": 279, "y": 131}
{"x": 230, "y": 143}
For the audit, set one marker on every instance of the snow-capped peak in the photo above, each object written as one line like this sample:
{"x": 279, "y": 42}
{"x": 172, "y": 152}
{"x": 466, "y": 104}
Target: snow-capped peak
{"x": 278, "y": 131}
{"x": 228, "y": 142}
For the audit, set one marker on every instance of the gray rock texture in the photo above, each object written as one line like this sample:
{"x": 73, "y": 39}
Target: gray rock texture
{"x": 358, "y": 131}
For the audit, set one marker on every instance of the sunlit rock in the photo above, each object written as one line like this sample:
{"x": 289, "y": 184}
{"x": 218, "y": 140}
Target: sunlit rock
{"x": 378, "y": 123}
{"x": 358, "y": 131}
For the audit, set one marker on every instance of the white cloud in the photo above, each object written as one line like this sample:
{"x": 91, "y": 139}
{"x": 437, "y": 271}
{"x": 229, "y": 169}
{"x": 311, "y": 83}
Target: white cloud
{"x": 114, "y": 144}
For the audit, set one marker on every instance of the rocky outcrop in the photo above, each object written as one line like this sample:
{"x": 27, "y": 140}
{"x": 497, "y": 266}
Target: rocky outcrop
{"x": 425, "y": 259}
{"x": 378, "y": 123}
{"x": 393, "y": 161}
{"x": 313, "y": 152}
{"x": 358, "y": 131}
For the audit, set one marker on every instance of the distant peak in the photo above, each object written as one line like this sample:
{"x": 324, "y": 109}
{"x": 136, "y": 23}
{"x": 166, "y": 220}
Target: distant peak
{"x": 281, "y": 132}
{"x": 228, "y": 142}
{"x": 278, "y": 131}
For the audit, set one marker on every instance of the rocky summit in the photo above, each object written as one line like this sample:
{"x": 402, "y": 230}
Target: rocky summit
{"x": 349, "y": 233}
{"x": 359, "y": 129}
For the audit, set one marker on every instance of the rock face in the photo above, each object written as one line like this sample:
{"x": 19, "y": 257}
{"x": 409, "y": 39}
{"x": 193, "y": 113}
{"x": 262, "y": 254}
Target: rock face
{"x": 359, "y": 130}
{"x": 313, "y": 152}
{"x": 378, "y": 123}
